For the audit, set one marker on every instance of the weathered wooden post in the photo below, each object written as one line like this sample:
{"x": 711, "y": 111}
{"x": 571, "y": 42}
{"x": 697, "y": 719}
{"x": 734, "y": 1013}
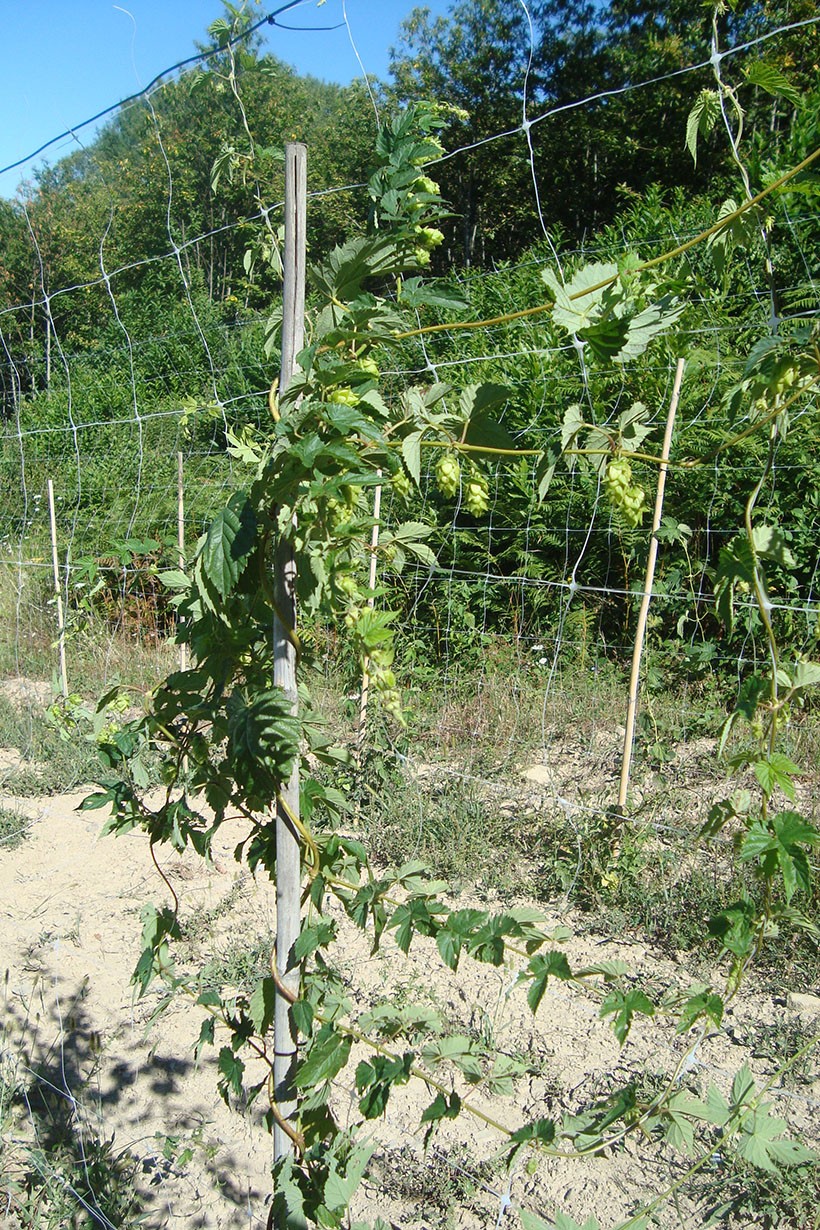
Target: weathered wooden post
{"x": 288, "y": 857}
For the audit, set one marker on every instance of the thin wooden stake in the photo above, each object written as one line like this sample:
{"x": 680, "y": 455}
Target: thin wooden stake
{"x": 640, "y": 631}
{"x": 288, "y": 859}
{"x": 361, "y": 733}
{"x": 183, "y": 648}
{"x": 58, "y": 590}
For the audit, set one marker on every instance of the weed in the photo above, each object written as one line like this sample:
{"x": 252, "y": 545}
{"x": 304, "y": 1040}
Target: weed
{"x": 442, "y": 1187}
{"x": 239, "y": 965}
{"x": 779, "y": 1041}
{"x": 51, "y": 763}
{"x": 737, "y": 1194}
{"x": 450, "y": 825}
{"x": 14, "y": 828}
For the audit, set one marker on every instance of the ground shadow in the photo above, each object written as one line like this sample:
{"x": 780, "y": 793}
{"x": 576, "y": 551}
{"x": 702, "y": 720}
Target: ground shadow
{"x": 65, "y": 1168}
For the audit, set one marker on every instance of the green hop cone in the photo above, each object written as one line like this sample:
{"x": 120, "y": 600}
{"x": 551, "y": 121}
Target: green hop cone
{"x": 448, "y": 474}
{"x": 618, "y": 478}
{"x": 429, "y": 236}
{"x": 388, "y": 692}
{"x": 476, "y": 493}
{"x": 344, "y": 396}
{"x": 336, "y": 514}
{"x": 626, "y": 497}
{"x": 634, "y": 506}
{"x": 368, "y": 367}
{"x": 401, "y": 484}
{"x": 346, "y": 585}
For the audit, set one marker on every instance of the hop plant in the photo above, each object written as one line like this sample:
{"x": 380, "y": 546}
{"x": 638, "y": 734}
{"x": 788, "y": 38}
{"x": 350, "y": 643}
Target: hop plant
{"x": 401, "y": 484}
{"x": 627, "y": 497}
{"x": 448, "y": 474}
{"x": 388, "y": 692}
{"x": 344, "y": 396}
{"x": 336, "y": 513}
{"x": 476, "y": 493}
{"x": 368, "y": 367}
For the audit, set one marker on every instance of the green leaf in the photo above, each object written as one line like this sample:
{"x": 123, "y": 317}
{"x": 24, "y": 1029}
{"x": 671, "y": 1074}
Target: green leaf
{"x": 563, "y": 1221}
{"x": 232, "y": 1069}
{"x": 229, "y": 541}
{"x": 98, "y": 799}
{"x": 623, "y": 1007}
{"x": 634, "y": 427}
{"x": 805, "y": 674}
{"x": 779, "y": 846}
{"x": 319, "y": 935}
{"x": 261, "y": 1005}
{"x": 776, "y": 770}
{"x": 531, "y": 1221}
{"x": 411, "y": 453}
{"x": 607, "y": 337}
{"x": 548, "y": 965}
{"x": 442, "y": 1107}
{"x": 173, "y": 578}
{"x": 263, "y": 740}
{"x": 770, "y": 543}
{"x": 288, "y": 1200}
{"x": 735, "y": 563}
{"x": 415, "y": 293}
{"x": 572, "y": 424}
{"x": 302, "y": 1015}
{"x": 339, "y": 1188}
{"x": 770, "y": 79}
{"x": 476, "y": 399}
{"x": 376, "y": 1078}
{"x": 734, "y": 927}
{"x": 701, "y": 1003}
{"x": 576, "y": 303}
{"x": 327, "y": 1054}
{"x": 702, "y": 119}
{"x": 540, "y": 1131}
{"x": 545, "y": 471}
{"x": 484, "y": 432}
{"x": 409, "y": 536}
{"x": 502, "y": 1078}
{"x": 457, "y": 1049}
{"x": 676, "y": 1116}
{"x": 646, "y": 326}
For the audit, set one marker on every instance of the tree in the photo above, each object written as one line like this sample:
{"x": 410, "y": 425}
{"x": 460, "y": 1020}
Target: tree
{"x": 628, "y": 63}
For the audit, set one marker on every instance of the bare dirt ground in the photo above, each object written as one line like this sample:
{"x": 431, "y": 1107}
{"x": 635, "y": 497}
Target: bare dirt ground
{"x": 70, "y": 905}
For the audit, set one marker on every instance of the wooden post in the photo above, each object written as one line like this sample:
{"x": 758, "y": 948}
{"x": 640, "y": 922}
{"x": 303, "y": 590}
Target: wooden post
{"x": 58, "y": 591}
{"x": 643, "y": 614}
{"x": 288, "y": 857}
{"x": 183, "y": 648}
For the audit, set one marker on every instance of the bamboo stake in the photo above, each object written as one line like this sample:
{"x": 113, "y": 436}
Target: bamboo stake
{"x": 58, "y": 590}
{"x": 371, "y": 602}
{"x": 643, "y": 613}
{"x": 288, "y": 860}
{"x": 183, "y": 648}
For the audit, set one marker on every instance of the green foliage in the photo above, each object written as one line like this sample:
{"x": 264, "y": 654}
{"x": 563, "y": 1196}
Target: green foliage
{"x": 224, "y": 739}
{"x": 14, "y": 828}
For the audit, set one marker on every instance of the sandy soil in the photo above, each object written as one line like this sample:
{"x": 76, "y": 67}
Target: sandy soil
{"x": 69, "y": 936}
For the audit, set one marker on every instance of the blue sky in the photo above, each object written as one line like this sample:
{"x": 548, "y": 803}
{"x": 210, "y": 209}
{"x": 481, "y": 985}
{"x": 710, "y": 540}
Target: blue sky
{"x": 66, "y": 60}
